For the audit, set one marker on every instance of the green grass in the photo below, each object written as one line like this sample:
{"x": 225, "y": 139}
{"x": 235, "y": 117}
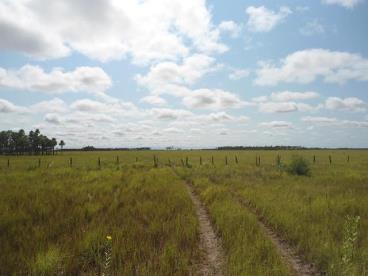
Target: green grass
{"x": 55, "y": 219}
{"x": 59, "y": 220}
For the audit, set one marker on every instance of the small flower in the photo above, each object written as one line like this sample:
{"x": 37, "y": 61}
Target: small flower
{"x": 109, "y": 238}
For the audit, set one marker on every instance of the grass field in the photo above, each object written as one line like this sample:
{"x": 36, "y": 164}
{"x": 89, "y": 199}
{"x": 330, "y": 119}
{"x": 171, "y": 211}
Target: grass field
{"x": 56, "y": 215}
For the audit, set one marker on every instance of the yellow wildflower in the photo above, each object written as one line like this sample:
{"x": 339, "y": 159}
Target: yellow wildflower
{"x": 109, "y": 238}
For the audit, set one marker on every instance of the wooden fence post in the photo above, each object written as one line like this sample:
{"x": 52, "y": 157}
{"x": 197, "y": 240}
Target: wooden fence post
{"x": 236, "y": 159}
{"x": 348, "y": 158}
{"x": 200, "y": 160}
{"x": 314, "y": 159}
{"x": 154, "y": 161}
{"x": 226, "y": 160}
{"x": 213, "y": 161}
{"x": 8, "y": 163}
{"x": 71, "y": 162}
{"x": 39, "y": 162}
{"x": 99, "y": 162}
{"x": 330, "y": 158}
{"x": 117, "y": 160}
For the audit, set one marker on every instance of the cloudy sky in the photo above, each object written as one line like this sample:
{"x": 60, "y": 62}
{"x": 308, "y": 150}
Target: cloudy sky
{"x": 194, "y": 73}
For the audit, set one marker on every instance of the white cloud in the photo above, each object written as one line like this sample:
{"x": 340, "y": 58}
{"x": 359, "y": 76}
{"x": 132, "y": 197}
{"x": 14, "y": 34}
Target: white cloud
{"x": 237, "y": 74}
{"x": 283, "y": 107}
{"x": 312, "y": 27}
{"x": 307, "y": 65}
{"x": 262, "y": 19}
{"x": 212, "y": 99}
{"x": 277, "y": 124}
{"x": 191, "y": 70}
{"x": 322, "y": 120}
{"x": 260, "y": 99}
{"x": 55, "y": 105}
{"x": 333, "y": 122}
{"x": 34, "y": 78}
{"x": 106, "y": 30}
{"x": 344, "y": 3}
{"x": 230, "y": 27}
{"x": 154, "y": 100}
{"x": 285, "y": 96}
{"x": 8, "y": 107}
{"x": 170, "y": 114}
{"x": 353, "y": 104}
{"x": 53, "y": 118}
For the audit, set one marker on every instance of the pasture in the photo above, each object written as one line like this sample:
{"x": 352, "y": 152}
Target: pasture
{"x": 131, "y": 212}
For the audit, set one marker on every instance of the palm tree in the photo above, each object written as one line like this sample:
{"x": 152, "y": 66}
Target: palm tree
{"x": 62, "y": 144}
{"x": 53, "y": 145}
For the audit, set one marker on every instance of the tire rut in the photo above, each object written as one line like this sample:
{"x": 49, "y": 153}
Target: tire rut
{"x": 213, "y": 259}
{"x": 287, "y": 253}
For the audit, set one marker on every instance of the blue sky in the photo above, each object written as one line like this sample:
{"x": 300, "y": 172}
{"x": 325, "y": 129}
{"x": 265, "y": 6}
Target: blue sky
{"x": 186, "y": 73}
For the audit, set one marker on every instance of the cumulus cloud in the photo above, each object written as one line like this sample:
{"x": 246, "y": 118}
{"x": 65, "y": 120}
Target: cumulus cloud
{"x": 55, "y": 105}
{"x": 344, "y": 3}
{"x": 262, "y": 19}
{"x": 352, "y": 104}
{"x": 307, "y": 65}
{"x": 237, "y": 74}
{"x": 53, "y": 118}
{"x": 283, "y": 107}
{"x": 34, "y": 78}
{"x": 212, "y": 99}
{"x": 170, "y": 114}
{"x": 154, "y": 100}
{"x": 285, "y": 96}
{"x": 106, "y": 30}
{"x": 312, "y": 27}
{"x": 333, "y": 122}
{"x": 277, "y": 124}
{"x": 8, "y": 107}
{"x": 231, "y": 27}
{"x": 192, "y": 69}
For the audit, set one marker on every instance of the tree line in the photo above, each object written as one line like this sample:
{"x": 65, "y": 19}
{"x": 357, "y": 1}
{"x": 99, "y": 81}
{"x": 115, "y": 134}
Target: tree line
{"x": 19, "y": 143}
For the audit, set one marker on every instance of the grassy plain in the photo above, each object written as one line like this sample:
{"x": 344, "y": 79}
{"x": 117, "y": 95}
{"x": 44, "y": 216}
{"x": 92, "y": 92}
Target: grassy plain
{"x": 55, "y": 217}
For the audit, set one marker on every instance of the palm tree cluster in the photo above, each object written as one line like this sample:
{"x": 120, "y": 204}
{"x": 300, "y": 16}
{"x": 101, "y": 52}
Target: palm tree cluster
{"x": 18, "y": 142}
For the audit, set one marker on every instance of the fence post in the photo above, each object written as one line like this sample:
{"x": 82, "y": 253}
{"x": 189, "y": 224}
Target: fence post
{"x": 154, "y": 161}
{"x": 348, "y": 158}
{"x": 314, "y": 159}
{"x": 39, "y": 162}
{"x": 186, "y": 161}
{"x": 71, "y": 162}
{"x": 236, "y": 159}
{"x": 117, "y": 160}
{"x": 200, "y": 160}
{"x": 169, "y": 162}
{"x": 99, "y": 162}
{"x": 8, "y": 163}
{"x": 213, "y": 161}
{"x": 330, "y": 158}
{"x": 225, "y": 160}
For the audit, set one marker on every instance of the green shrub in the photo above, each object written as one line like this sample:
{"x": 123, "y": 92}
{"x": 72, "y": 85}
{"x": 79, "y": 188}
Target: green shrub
{"x": 299, "y": 166}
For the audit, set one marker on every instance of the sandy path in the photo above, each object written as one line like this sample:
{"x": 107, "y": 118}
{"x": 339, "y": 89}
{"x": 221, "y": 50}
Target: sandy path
{"x": 210, "y": 245}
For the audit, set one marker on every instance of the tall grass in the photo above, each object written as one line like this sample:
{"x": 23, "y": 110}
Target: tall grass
{"x": 57, "y": 222}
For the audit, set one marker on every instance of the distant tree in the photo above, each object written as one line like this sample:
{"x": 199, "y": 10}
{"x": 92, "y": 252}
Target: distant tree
{"x": 17, "y": 142}
{"x": 53, "y": 145}
{"x": 62, "y": 144}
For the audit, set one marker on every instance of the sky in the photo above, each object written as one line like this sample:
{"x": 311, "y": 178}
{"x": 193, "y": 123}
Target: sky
{"x": 190, "y": 74}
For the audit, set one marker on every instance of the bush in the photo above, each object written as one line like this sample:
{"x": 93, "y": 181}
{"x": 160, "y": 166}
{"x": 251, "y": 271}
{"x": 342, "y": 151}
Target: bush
{"x": 299, "y": 166}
